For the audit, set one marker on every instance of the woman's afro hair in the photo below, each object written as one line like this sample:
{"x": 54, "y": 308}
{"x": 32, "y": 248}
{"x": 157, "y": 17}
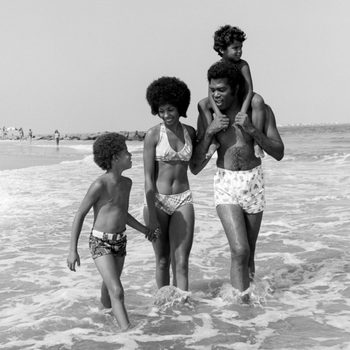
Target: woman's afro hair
{"x": 168, "y": 90}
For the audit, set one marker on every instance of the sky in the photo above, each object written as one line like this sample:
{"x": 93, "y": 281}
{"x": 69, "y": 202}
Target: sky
{"x": 84, "y": 65}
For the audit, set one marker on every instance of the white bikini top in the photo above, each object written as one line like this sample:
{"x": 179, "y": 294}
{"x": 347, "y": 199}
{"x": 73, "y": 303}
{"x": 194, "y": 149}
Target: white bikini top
{"x": 165, "y": 153}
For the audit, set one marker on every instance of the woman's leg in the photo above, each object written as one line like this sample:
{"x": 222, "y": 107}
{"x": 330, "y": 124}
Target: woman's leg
{"x": 161, "y": 249}
{"x": 181, "y": 229}
{"x": 110, "y": 268}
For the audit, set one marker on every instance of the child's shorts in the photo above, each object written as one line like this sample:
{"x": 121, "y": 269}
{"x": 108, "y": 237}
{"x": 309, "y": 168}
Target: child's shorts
{"x": 102, "y": 243}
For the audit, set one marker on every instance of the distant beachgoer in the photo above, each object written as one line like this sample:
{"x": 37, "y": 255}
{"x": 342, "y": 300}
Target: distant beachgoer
{"x": 30, "y": 135}
{"x": 228, "y": 42}
{"x": 21, "y": 133}
{"x": 57, "y": 137}
{"x": 167, "y": 154}
{"x": 109, "y": 196}
{"x": 239, "y": 189}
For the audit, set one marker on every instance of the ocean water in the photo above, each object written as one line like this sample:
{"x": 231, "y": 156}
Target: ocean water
{"x": 300, "y": 298}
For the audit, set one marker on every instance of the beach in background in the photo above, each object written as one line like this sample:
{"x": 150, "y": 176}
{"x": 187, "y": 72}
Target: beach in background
{"x": 301, "y": 295}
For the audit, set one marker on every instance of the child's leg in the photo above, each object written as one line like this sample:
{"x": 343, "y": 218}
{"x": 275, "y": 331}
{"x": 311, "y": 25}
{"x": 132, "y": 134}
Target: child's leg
{"x": 258, "y": 119}
{"x": 203, "y": 121}
{"x": 105, "y": 299}
{"x": 110, "y": 268}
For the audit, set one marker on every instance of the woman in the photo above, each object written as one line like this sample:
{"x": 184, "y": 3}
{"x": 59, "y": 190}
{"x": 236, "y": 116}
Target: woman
{"x": 167, "y": 153}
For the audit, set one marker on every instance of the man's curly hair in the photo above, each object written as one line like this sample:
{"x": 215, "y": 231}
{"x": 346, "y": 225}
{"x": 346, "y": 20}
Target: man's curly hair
{"x": 228, "y": 70}
{"x": 105, "y": 147}
{"x": 168, "y": 90}
{"x": 225, "y": 36}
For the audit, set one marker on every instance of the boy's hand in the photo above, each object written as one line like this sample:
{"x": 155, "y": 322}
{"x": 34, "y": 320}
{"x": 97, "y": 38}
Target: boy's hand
{"x": 73, "y": 258}
{"x": 242, "y": 120}
{"x": 220, "y": 122}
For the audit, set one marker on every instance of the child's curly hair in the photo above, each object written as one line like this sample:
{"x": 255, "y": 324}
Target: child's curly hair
{"x": 168, "y": 90}
{"x": 105, "y": 147}
{"x": 225, "y": 36}
{"x": 227, "y": 70}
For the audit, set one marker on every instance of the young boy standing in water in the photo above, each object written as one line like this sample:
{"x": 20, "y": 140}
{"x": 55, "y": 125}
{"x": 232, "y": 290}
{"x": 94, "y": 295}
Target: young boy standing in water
{"x": 228, "y": 42}
{"x": 109, "y": 196}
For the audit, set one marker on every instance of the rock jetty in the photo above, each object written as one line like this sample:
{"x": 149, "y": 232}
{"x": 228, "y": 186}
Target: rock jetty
{"x": 129, "y": 135}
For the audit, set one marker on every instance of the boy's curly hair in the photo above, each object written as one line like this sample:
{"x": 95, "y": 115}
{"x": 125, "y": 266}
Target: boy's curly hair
{"x": 228, "y": 70}
{"x": 105, "y": 147}
{"x": 168, "y": 90}
{"x": 225, "y": 36}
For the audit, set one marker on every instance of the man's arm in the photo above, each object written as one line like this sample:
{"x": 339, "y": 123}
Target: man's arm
{"x": 199, "y": 158}
{"x": 269, "y": 140}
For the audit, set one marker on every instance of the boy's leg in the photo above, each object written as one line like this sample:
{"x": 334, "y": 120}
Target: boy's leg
{"x": 181, "y": 237}
{"x": 105, "y": 299}
{"x": 204, "y": 120}
{"x": 110, "y": 268}
{"x": 258, "y": 119}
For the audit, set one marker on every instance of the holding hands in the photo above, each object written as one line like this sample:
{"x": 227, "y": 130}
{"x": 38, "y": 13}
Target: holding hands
{"x": 152, "y": 234}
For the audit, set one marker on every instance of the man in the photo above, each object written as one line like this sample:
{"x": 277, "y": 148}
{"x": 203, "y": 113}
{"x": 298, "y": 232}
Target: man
{"x": 238, "y": 183}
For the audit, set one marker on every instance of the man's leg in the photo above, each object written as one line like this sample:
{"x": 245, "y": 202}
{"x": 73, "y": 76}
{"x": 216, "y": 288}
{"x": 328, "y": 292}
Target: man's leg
{"x": 233, "y": 222}
{"x": 253, "y": 223}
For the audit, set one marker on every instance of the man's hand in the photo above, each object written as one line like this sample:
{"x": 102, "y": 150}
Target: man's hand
{"x": 220, "y": 122}
{"x": 242, "y": 120}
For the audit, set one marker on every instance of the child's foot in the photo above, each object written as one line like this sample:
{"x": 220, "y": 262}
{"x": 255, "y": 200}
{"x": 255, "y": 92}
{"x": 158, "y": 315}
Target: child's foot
{"x": 211, "y": 150}
{"x": 259, "y": 153}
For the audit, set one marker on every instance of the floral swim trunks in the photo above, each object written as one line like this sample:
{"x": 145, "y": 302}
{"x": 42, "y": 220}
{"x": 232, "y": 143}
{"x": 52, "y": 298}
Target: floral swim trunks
{"x": 101, "y": 243}
{"x": 245, "y": 188}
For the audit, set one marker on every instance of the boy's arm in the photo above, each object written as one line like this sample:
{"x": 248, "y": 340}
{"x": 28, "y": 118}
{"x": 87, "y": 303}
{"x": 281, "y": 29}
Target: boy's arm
{"x": 245, "y": 70}
{"x": 135, "y": 224}
{"x": 90, "y": 198}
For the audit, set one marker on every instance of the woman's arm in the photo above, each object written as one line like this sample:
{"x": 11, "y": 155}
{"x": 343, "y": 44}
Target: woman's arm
{"x": 149, "y": 150}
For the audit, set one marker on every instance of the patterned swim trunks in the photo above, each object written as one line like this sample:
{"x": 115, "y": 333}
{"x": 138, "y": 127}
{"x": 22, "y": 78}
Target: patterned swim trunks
{"x": 101, "y": 243}
{"x": 245, "y": 188}
{"x": 170, "y": 202}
